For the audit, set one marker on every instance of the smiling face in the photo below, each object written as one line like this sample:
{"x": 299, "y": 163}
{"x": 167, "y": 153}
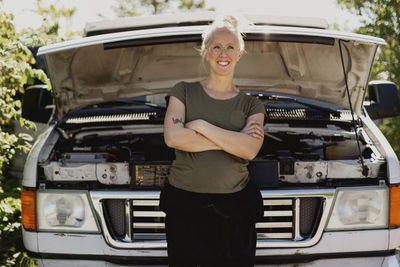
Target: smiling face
{"x": 223, "y": 52}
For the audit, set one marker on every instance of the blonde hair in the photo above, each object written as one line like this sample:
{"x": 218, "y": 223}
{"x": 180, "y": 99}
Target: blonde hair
{"x": 228, "y": 22}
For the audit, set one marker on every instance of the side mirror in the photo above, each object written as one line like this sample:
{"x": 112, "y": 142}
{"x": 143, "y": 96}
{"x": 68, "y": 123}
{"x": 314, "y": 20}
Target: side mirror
{"x": 384, "y": 100}
{"x": 37, "y": 103}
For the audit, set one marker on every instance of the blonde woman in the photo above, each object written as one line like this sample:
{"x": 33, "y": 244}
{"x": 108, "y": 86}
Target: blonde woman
{"x": 215, "y": 129}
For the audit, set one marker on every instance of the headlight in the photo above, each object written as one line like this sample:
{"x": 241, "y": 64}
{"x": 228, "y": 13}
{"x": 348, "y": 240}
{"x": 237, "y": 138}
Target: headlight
{"x": 360, "y": 208}
{"x": 65, "y": 211}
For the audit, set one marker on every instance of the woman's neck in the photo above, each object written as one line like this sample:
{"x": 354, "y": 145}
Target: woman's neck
{"x": 219, "y": 84}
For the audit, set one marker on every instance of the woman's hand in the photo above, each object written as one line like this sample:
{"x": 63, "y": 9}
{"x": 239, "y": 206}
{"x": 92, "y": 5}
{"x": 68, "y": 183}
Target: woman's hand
{"x": 244, "y": 144}
{"x": 254, "y": 129}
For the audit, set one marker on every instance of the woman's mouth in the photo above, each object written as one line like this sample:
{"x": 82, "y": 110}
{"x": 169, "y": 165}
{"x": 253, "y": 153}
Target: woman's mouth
{"x": 223, "y": 63}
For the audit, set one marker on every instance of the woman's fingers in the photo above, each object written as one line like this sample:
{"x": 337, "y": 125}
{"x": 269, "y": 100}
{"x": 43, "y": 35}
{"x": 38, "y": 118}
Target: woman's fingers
{"x": 254, "y": 131}
{"x": 256, "y": 135}
{"x": 253, "y": 123}
{"x": 255, "y": 126}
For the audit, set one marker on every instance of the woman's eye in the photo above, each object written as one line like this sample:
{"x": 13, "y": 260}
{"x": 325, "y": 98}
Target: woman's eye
{"x": 216, "y": 49}
{"x": 231, "y": 47}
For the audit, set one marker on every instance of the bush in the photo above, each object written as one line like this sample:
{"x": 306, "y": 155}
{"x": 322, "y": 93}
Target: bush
{"x": 11, "y": 245}
{"x": 16, "y": 72}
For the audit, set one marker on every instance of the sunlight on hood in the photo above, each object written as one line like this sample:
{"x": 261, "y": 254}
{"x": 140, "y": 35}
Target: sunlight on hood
{"x": 91, "y": 74}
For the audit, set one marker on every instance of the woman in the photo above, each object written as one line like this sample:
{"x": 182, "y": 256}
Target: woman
{"x": 215, "y": 129}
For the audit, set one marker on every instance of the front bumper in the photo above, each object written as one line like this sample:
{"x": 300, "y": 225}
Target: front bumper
{"x": 388, "y": 261}
{"x": 364, "y": 246}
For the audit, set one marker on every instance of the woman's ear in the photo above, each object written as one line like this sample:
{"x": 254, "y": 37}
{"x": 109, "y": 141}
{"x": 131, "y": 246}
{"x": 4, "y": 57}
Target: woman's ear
{"x": 206, "y": 57}
{"x": 240, "y": 55}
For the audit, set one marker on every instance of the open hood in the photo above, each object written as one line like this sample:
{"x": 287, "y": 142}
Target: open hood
{"x": 285, "y": 60}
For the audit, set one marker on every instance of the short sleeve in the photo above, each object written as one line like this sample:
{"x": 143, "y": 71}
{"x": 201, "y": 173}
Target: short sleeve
{"x": 179, "y": 91}
{"x": 256, "y": 106}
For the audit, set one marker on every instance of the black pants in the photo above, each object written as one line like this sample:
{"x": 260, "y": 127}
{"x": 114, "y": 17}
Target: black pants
{"x": 211, "y": 229}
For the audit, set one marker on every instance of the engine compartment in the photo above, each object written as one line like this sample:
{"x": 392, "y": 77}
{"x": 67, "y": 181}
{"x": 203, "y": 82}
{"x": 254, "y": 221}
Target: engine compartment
{"x": 135, "y": 154}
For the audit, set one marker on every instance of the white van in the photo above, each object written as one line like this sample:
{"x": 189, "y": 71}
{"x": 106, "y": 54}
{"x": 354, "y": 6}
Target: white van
{"x": 328, "y": 177}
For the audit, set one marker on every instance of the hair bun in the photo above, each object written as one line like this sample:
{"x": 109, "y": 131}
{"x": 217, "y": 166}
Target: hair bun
{"x": 231, "y": 20}
{"x": 233, "y": 23}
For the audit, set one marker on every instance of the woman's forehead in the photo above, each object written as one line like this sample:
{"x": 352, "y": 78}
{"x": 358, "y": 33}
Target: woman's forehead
{"x": 223, "y": 35}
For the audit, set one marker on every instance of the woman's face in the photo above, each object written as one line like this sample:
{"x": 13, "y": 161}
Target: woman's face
{"x": 223, "y": 52}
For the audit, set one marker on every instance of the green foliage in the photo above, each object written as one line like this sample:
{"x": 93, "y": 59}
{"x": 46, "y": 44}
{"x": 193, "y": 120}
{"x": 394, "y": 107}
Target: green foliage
{"x": 391, "y": 129}
{"x": 16, "y": 72}
{"x": 55, "y": 25}
{"x": 382, "y": 18}
{"x": 126, "y": 8}
{"x": 191, "y": 5}
{"x": 11, "y": 246}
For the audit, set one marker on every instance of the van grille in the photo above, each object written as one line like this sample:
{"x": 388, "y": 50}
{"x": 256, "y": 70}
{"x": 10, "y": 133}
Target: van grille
{"x": 148, "y": 220}
{"x": 290, "y": 219}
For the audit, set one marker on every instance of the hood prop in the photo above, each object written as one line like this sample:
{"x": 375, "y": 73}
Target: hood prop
{"x": 364, "y": 168}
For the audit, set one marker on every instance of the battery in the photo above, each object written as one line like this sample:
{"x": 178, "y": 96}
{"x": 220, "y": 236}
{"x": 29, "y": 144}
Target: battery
{"x": 84, "y": 157}
{"x": 151, "y": 174}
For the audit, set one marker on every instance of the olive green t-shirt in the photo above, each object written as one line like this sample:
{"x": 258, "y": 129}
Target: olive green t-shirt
{"x": 212, "y": 171}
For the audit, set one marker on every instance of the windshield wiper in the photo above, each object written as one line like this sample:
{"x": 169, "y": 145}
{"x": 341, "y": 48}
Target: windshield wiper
{"x": 332, "y": 111}
{"x": 132, "y": 102}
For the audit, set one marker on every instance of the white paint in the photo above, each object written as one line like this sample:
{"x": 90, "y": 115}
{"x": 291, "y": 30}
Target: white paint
{"x": 394, "y": 238}
{"x": 348, "y": 262}
{"x": 196, "y": 30}
{"x": 384, "y": 147}
{"x": 391, "y": 261}
{"x": 30, "y": 240}
{"x": 331, "y": 242}
{"x": 75, "y": 263}
{"x": 30, "y": 169}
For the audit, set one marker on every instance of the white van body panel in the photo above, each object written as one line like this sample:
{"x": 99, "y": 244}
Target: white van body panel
{"x": 30, "y": 169}
{"x": 30, "y": 240}
{"x": 391, "y": 261}
{"x": 393, "y": 167}
{"x": 123, "y": 157}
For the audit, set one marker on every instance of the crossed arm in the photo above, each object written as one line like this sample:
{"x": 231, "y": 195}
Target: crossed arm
{"x": 199, "y": 135}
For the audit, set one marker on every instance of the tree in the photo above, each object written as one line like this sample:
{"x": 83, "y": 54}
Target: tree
{"x": 15, "y": 73}
{"x": 55, "y": 27}
{"x": 382, "y": 18}
{"x": 126, "y": 8}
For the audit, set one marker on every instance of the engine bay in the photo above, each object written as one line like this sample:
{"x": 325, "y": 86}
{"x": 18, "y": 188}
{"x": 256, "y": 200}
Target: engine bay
{"x": 294, "y": 152}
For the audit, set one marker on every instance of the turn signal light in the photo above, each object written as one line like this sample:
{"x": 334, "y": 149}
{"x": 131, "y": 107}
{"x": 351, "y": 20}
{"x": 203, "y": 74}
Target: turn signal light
{"x": 28, "y": 209}
{"x": 394, "y": 215}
